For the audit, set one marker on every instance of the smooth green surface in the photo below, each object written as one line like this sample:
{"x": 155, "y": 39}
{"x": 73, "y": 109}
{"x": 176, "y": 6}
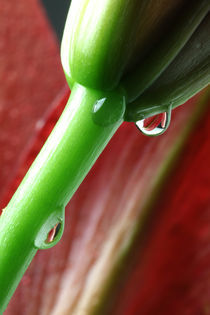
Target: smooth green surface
{"x": 60, "y": 167}
{"x": 107, "y": 110}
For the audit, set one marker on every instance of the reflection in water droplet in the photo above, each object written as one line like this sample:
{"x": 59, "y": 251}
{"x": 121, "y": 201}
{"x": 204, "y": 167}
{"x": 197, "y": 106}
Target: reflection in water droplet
{"x": 52, "y": 231}
{"x": 155, "y": 125}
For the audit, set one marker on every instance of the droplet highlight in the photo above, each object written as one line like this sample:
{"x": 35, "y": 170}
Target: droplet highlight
{"x": 155, "y": 125}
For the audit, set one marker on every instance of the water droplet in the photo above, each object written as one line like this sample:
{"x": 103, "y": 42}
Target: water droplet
{"x": 52, "y": 231}
{"x": 109, "y": 109}
{"x": 155, "y": 125}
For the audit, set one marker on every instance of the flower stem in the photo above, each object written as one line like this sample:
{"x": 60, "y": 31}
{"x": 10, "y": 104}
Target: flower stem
{"x": 38, "y": 204}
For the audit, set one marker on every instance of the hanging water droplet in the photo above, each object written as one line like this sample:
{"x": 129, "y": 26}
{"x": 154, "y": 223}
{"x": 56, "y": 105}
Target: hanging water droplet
{"x": 155, "y": 125}
{"x": 52, "y": 231}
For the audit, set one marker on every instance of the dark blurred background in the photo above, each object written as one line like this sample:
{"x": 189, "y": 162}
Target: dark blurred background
{"x": 57, "y": 11}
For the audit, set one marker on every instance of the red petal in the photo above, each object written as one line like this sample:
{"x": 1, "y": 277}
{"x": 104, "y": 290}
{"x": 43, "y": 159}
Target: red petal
{"x": 31, "y": 77}
{"x": 152, "y": 122}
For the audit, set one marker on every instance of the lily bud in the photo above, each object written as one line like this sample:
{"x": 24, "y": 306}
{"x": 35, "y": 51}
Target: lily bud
{"x": 187, "y": 74}
{"x": 128, "y": 44}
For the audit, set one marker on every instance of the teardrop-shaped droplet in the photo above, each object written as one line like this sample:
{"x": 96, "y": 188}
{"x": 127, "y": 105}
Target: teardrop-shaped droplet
{"x": 155, "y": 125}
{"x": 109, "y": 109}
{"x": 52, "y": 231}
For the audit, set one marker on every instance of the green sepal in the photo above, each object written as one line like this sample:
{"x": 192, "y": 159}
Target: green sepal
{"x": 179, "y": 29}
{"x": 185, "y": 76}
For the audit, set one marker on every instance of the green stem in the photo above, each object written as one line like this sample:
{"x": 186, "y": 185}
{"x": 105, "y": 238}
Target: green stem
{"x": 38, "y": 204}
